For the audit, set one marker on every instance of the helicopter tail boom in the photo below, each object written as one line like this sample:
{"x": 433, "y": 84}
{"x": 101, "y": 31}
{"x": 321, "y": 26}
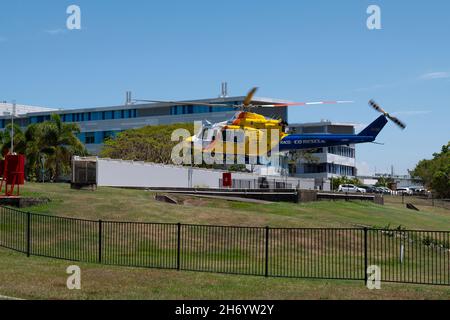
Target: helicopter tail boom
{"x": 373, "y": 129}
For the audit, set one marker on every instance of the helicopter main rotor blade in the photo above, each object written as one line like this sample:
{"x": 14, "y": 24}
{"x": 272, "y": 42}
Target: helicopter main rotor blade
{"x": 249, "y": 97}
{"x": 189, "y": 103}
{"x": 293, "y": 104}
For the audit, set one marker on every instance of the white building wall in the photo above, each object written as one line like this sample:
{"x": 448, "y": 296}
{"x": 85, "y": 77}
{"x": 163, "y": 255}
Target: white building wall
{"x": 121, "y": 173}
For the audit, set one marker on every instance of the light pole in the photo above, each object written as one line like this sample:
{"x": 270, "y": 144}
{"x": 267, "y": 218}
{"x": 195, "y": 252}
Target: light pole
{"x": 332, "y": 175}
{"x": 13, "y": 113}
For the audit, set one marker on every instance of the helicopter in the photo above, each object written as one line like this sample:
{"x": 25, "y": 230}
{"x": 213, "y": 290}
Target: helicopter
{"x": 248, "y": 123}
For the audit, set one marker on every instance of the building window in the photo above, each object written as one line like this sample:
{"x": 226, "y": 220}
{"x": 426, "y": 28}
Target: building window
{"x": 176, "y": 110}
{"x": 108, "y": 134}
{"x": 107, "y": 115}
{"x": 89, "y": 137}
{"x": 343, "y": 151}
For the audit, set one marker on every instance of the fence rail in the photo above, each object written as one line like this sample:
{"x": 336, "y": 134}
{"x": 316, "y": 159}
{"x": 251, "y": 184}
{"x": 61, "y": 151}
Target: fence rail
{"x": 406, "y": 256}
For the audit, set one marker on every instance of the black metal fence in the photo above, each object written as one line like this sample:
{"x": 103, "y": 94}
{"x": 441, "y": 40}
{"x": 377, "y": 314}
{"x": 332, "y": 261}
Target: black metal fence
{"x": 406, "y": 256}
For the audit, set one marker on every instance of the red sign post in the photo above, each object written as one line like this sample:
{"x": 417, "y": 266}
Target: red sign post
{"x": 12, "y": 170}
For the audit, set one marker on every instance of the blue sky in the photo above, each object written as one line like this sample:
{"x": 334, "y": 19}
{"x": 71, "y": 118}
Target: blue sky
{"x": 297, "y": 50}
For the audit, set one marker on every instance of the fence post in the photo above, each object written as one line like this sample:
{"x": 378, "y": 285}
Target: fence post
{"x": 178, "y": 245}
{"x": 365, "y": 255}
{"x": 266, "y": 273}
{"x": 100, "y": 231}
{"x": 28, "y": 234}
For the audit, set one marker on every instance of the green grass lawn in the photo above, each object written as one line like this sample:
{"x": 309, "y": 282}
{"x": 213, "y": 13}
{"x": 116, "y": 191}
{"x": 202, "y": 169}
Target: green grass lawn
{"x": 139, "y": 205}
{"x": 41, "y": 278}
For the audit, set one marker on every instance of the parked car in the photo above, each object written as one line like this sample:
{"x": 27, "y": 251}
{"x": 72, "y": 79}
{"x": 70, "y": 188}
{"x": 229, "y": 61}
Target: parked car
{"x": 419, "y": 191}
{"x": 370, "y": 189}
{"x": 350, "y": 188}
{"x": 405, "y": 191}
{"x": 384, "y": 190}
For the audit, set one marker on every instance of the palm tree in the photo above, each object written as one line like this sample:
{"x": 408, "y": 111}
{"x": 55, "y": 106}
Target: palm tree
{"x": 59, "y": 142}
{"x": 54, "y": 139}
{"x": 19, "y": 139}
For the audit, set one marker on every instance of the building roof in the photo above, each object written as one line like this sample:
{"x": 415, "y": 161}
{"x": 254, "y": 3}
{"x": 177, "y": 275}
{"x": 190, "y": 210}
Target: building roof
{"x": 6, "y": 109}
{"x": 36, "y": 111}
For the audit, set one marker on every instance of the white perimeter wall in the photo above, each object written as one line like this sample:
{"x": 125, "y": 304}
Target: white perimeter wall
{"x": 121, "y": 173}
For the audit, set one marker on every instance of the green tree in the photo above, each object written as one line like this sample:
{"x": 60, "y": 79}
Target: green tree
{"x": 54, "y": 139}
{"x": 150, "y": 143}
{"x": 436, "y": 172}
{"x": 59, "y": 142}
{"x": 19, "y": 139}
{"x": 384, "y": 182}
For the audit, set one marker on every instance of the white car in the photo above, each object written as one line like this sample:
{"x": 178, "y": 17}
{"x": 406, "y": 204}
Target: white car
{"x": 406, "y": 191}
{"x": 350, "y": 188}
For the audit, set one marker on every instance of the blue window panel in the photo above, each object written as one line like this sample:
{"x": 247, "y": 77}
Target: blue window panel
{"x": 222, "y": 109}
{"x": 99, "y": 137}
{"x": 89, "y": 138}
{"x": 107, "y": 134}
{"x": 117, "y": 114}
{"x": 201, "y": 109}
{"x": 108, "y": 115}
{"x": 96, "y": 116}
{"x": 2, "y": 123}
{"x": 174, "y": 110}
{"x": 81, "y": 136}
{"x": 69, "y": 117}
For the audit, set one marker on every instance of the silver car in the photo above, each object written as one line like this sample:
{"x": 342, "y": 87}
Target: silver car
{"x": 351, "y": 188}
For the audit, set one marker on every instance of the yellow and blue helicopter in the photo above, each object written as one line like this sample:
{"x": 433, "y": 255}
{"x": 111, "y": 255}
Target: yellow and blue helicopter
{"x": 252, "y": 123}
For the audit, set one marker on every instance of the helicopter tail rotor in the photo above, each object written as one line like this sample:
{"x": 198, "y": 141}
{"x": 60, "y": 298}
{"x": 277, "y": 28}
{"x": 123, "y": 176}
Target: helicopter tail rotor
{"x": 399, "y": 123}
